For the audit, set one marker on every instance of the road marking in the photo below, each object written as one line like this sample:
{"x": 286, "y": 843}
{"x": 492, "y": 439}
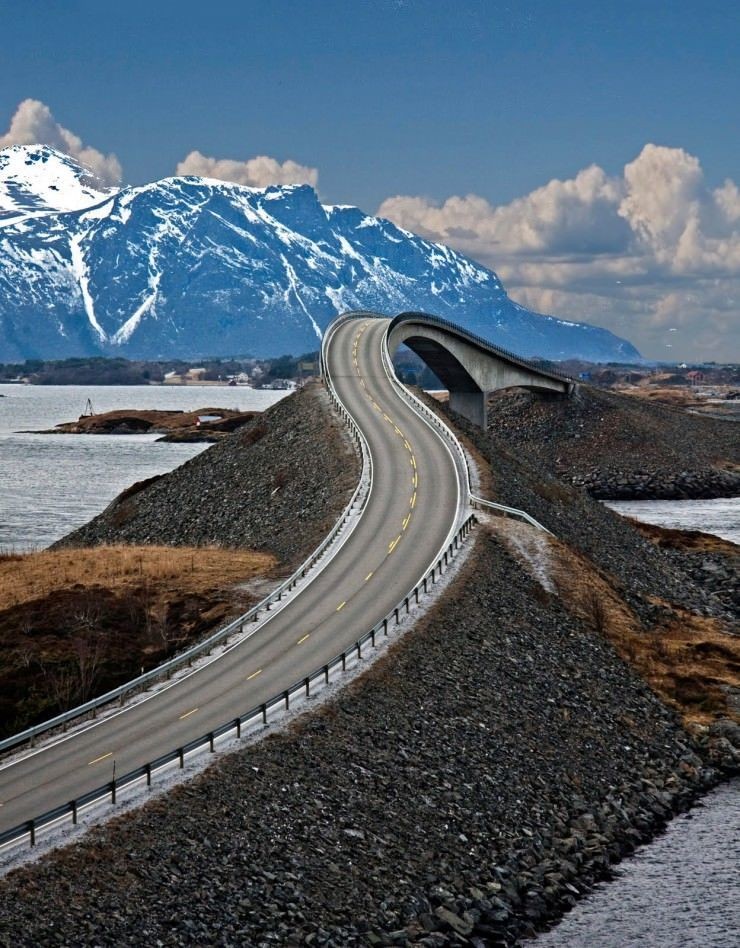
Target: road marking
{"x": 341, "y": 605}
{"x": 254, "y": 674}
{"x": 387, "y": 418}
{"x": 413, "y": 461}
{"x": 394, "y": 544}
{"x": 188, "y": 713}
{"x": 98, "y": 759}
{"x": 398, "y": 430}
{"x": 413, "y": 500}
{"x": 406, "y": 520}
{"x": 302, "y": 640}
{"x": 368, "y": 575}
{"x": 415, "y": 479}
{"x": 408, "y": 446}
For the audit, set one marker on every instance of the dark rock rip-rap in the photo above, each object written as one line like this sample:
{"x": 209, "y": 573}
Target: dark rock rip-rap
{"x": 467, "y": 788}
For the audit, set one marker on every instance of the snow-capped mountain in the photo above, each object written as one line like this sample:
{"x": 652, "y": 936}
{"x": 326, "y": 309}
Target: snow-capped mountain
{"x": 189, "y": 267}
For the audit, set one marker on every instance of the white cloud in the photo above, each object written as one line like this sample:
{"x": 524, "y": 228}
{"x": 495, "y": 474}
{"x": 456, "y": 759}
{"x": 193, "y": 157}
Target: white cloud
{"x": 34, "y": 124}
{"x": 259, "y": 172}
{"x": 650, "y": 249}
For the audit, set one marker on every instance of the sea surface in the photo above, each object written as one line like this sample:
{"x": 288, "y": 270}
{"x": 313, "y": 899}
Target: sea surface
{"x": 721, "y": 516}
{"x": 683, "y": 889}
{"x": 51, "y": 484}
{"x": 680, "y": 891}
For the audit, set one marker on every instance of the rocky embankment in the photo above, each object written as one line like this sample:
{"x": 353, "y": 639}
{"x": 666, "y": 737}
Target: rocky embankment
{"x": 647, "y": 574}
{"x": 463, "y": 792}
{"x": 470, "y": 786}
{"x": 275, "y": 485}
{"x": 621, "y": 448}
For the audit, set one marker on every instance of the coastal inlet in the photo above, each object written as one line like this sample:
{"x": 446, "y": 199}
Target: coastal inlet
{"x": 51, "y": 484}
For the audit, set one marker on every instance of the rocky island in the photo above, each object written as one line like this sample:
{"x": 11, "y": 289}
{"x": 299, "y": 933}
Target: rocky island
{"x": 204, "y": 424}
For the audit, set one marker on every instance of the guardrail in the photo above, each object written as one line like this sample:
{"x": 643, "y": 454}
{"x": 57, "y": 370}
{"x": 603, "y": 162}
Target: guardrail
{"x": 478, "y": 503}
{"x": 237, "y": 626}
{"x": 319, "y": 677}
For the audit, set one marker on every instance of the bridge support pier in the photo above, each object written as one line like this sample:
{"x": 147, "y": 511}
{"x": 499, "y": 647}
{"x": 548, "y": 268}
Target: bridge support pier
{"x": 471, "y": 405}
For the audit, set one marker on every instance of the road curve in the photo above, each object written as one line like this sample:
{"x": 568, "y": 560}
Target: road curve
{"x": 415, "y": 502}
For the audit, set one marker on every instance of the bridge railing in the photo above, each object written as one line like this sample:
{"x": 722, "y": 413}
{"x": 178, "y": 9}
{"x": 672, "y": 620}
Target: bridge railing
{"x": 237, "y": 626}
{"x": 258, "y": 715}
{"x": 480, "y": 341}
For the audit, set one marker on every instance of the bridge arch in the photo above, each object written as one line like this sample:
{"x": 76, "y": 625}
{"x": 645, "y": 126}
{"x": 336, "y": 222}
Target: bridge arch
{"x": 469, "y": 366}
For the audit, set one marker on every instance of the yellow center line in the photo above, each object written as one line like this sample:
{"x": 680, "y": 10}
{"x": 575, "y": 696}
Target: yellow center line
{"x": 254, "y": 674}
{"x": 415, "y": 479}
{"x": 413, "y": 500}
{"x": 302, "y": 640}
{"x": 368, "y": 575}
{"x": 387, "y": 418}
{"x": 413, "y": 460}
{"x": 394, "y": 544}
{"x": 98, "y": 759}
{"x": 408, "y": 446}
{"x": 406, "y": 520}
{"x": 341, "y": 605}
{"x": 398, "y": 430}
{"x": 188, "y": 713}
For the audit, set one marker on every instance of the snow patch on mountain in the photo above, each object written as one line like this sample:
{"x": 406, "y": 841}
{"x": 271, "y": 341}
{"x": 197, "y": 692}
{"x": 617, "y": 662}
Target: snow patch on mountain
{"x": 36, "y": 179}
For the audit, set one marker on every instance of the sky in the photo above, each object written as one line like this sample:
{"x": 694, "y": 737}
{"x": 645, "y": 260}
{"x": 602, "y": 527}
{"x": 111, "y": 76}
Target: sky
{"x": 587, "y": 152}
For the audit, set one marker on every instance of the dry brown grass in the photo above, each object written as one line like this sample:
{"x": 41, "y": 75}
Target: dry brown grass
{"x": 31, "y": 576}
{"x": 689, "y": 660}
{"x": 693, "y": 541}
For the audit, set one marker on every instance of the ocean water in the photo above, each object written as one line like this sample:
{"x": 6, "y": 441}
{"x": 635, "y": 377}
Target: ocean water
{"x": 51, "y": 484}
{"x": 720, "y": 516}
{"x": 680, "y": 891}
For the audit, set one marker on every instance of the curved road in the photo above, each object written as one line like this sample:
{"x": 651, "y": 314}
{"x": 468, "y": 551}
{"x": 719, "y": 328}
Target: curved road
{"x": 414, "y": 503}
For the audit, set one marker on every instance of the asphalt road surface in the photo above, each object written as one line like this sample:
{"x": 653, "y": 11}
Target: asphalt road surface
{"x": 413, "y": 506}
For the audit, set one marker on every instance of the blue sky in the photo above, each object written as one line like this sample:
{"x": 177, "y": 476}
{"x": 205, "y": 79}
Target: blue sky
{"x": 426, "y": 100}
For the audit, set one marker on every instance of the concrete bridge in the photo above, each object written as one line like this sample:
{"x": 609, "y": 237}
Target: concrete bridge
{"x": 468, "y": 366}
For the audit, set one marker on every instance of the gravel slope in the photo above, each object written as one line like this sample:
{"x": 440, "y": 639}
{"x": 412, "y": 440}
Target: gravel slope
{"x": 276, "y": 485}
{"x": 621, "y": 447}
{"x": 473, "y": 782}
{"x": 522, "y": 476}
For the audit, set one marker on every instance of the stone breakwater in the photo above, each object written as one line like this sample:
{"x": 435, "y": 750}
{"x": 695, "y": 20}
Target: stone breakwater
{"x": 619, "y": 447}
{"x": 657, "y": 484}
{"x": 466, "y": 790}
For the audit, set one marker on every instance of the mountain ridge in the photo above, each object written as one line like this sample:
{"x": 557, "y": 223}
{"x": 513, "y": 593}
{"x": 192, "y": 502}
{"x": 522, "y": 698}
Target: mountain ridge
{"x": 189, "y": 266}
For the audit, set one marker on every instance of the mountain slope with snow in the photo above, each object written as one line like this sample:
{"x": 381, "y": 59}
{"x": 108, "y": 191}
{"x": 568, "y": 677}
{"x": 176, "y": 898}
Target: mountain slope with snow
{"x": 188, "y": 267}
{"x": 36, "y": 179}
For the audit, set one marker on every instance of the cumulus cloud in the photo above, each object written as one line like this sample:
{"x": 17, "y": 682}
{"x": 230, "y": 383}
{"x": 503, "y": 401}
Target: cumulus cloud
{"x": 34, "y": 124}
{"x": 259, "y": 172}
{"x": 646, "y": 252}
